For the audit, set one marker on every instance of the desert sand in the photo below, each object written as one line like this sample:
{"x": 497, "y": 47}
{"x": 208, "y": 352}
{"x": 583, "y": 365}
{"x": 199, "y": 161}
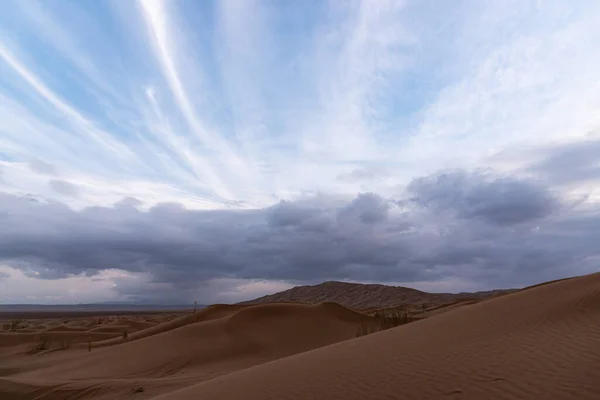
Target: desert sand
{"x": 538, "y": 343}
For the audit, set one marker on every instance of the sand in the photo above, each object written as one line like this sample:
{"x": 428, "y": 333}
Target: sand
{"x": 538, "y": 343}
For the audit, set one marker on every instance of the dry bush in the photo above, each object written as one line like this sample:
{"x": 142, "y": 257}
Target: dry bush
{"x": 43, "y": 345}
{"x": 15, "y": 325}
{"x": 384, "y": 321}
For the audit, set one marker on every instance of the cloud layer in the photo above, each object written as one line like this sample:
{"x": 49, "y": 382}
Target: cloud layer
{"x": 481, "y": 229}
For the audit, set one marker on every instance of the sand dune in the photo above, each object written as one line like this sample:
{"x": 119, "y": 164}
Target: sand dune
{"x": 542, "y": 343}
{"x": 247, "y": 337}
{"x": 539, "y": 343}
{"x": 205, "y": 314}
{"x": 183, "y": 352}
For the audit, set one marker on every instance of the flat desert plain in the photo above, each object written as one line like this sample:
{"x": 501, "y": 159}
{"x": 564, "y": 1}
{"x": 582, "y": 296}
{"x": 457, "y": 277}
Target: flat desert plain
{"x": 541, "y": 342}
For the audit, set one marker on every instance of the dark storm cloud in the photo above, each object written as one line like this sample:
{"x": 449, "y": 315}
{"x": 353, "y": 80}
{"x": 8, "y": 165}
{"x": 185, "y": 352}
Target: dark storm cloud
{"x": 287, "y": 213}
{"x": 64, "y": 187}
{"x": 500, "y": 201}
{"x": 367, "y": 208}
{"x": 494, "y": 232}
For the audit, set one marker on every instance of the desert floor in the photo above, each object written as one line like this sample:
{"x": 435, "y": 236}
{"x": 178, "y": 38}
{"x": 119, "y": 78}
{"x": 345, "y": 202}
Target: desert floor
{"x": 538, "y": 343}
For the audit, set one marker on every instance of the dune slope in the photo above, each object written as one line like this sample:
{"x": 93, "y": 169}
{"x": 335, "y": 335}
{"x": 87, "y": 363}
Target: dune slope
{"x": 248, "y": 337}
{"x": 229, "y": 339}
{"x": 540, "y": 343}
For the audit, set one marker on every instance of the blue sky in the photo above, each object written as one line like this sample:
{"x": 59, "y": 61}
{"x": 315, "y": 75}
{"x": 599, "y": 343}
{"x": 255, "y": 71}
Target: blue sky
{"x": 239, "y": 105}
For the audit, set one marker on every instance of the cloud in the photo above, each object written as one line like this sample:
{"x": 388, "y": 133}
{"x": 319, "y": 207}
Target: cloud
{"x": 156, "y": 15}
{"x": 20, "y": 288}
{"x": 575, "y": 162}
{"x": 42, "y": 167}
{"x": 500, "y": 201}
{"x": 362, "y": 174}
{"x": 367, "y": 208}
{"x": 327, "y": 92}
{"x": 64, "y": 187}
{"x": 173, "y": 253}
{"x": 128, "y": 203}
{"x": 287, "y": 213}
{"x": 95, "y": 134}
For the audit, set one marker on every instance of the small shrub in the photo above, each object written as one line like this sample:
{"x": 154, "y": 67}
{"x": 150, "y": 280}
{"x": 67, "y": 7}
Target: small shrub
{"x": 43, "y": 345}
{"x": 384, "y": 321}
{"x": 15, "y": 325}
{"x": 365, "y": 329}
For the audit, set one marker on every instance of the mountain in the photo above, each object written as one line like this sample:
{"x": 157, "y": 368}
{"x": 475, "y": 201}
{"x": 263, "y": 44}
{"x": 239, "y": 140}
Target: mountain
{"x": 358, "y": 295}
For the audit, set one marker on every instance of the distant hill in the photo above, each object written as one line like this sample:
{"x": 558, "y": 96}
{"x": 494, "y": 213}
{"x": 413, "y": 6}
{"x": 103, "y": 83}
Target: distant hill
{"x": 47, "y": 311}
{"x": 357, "y": 295}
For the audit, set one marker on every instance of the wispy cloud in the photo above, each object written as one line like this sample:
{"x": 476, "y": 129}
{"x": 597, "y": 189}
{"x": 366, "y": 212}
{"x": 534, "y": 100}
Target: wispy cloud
{"x": 74, "y": 117}
{"x": 247, "y": 110}
{"x": 533, "y": 83}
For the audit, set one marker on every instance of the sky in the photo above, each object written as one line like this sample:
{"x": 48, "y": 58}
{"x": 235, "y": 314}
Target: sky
{"x": 172, "y": 151}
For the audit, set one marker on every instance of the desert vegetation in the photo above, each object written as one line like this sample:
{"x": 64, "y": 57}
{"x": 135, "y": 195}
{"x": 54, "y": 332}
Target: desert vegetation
{"x": 13, "y": 325}
{"x": 384, "y": 320}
